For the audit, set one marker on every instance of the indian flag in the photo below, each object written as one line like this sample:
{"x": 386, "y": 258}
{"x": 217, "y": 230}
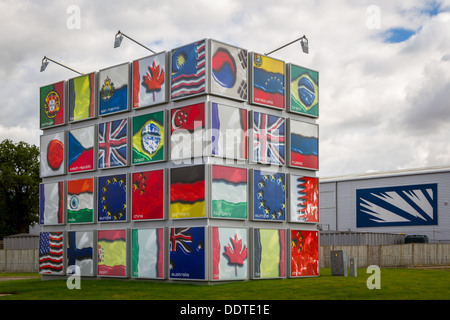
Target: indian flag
{"x": 80, "y": 201}
{"x": 229, "y": 192}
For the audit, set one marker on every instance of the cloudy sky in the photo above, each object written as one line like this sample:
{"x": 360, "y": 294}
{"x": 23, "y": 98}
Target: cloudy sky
{"x": 384, "y": 65}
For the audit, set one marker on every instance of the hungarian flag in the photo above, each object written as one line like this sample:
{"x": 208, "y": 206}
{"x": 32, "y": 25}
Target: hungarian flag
{"x": 187, "y": 124}
{"x": 51, "y": 203}
{"x": 304, "y": 246}
{"x": 187, "y": 192}
{"x": 52, "y": 105}
{"x": 80, "y": 201}
{"x": 269, "y": 253}
{"x": 112, "y": 253}
{"x": 229, "y": 192}
{"x": 148, "y": 195}
{"x": 147, "y": 251}
{"x": 148, "y": 138}
{"x": 82, "y": 97}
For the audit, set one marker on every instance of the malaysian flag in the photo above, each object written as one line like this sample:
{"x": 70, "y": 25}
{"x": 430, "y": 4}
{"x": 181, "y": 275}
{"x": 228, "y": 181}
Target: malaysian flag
{"x": 268, "y": 138}
{"x": 188, "y": 70}
{"x": 51, "y": 252}
{"x": 112, "y": 144}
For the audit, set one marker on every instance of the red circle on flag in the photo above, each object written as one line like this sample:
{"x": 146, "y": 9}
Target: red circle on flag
{"x": 55, "y": 154}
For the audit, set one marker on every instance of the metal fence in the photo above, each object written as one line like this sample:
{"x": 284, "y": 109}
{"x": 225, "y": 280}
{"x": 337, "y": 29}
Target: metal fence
{"x": 24, "y": 260}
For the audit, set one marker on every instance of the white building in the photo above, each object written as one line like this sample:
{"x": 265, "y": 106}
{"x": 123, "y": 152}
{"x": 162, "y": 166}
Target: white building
{"x": 412, "y": 202}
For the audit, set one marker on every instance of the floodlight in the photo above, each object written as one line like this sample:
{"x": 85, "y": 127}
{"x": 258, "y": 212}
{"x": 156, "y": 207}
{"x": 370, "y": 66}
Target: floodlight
{"x": 303, "y": 42}
{"x": 119, "y": 37}
{"x": 45, "y": 61}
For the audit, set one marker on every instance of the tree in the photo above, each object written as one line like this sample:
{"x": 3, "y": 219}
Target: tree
{"x": 19, "y": 187}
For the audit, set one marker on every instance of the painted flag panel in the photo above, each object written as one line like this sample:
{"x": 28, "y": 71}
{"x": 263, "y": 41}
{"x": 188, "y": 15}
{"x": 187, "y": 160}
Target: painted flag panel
{"x": 149, "y": 81}
{"x": 188, "y": 70}
{"x": 112, "y": 198}
{"x": 304, "y": 89}
{"x": 51, "y": 252}
{"x": 80, "y": 201}
{"x": 304, "y": 199}
{"x": 229, "y": 192}
{"x": 112, "y": 144}
{"x": 52, "y": 105}
{"x": 80, "y": 251}
{"x": 268, "y": 139}
{"x": 148, "y": 195}
{"x": 81, "y": 149}
{"x": 113, "y": 89}
{"x": 112, "y": 253}
{"x": 147, "y": 252}
{"x": 187, "y": 192}
{"x": 186, "y": 131}
{"x": 268, "y": 81}
{"x": 229, "y": 131}
{"x": 187, "y": 253}
{"x": 82, "y": 97}
{"x": 229, "y": 253}
{"x": 269, "y": 195}
{"x": 52, "y": 151}
{"x": 51, "y": 203}
{"x": 269, "y": 253}
{"x": 304, "y": 247}
{"x": 304, "y": 145}
{"x": 148, "y": 138}
{"x": 229, "y": 70}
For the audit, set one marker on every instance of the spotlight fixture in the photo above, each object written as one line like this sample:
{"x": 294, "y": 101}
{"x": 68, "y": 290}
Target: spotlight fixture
{"x": 45, "y": 61}
{"x": 303, "y": 42}
{"x": 119, "y": 37}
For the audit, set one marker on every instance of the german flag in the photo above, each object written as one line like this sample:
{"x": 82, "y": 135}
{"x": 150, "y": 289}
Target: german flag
{"x": 187, "y": 192}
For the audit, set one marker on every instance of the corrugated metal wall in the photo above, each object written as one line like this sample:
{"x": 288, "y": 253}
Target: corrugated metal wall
{"x": 21, "y": 242}
{"x": 342, "y": 193}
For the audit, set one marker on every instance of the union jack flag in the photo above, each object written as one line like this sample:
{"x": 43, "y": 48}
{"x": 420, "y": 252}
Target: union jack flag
{"x": 268, "y": 138}
{"x": 181, "y": 237}
{"x": 112, "y": 144}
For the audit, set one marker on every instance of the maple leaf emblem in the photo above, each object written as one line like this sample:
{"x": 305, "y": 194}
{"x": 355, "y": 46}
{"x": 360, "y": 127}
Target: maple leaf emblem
{"x": 154, "y": 79}
{"x": 236, "y": 254}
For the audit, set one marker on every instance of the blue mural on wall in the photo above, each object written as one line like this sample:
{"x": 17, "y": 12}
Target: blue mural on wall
{"x": 411, "y": 205}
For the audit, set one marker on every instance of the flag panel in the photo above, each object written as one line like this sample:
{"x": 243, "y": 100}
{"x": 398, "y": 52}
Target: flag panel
{"x": 112, "y": 144}
{"x": 269, "y": 253}
{"x": 268, "y": 139}
{"x": 149, "y": 138}
{"x": 304, "y": 145}
{"x": 112, "y": 253}
{"x": 228, "y": 70}
{"x": 229, "y": 192}
{"x": 81, "y": 97}
{"x": 148, "y": 195}
{"x": 304, "y": 199}
{"x": 81, "y": 149}
{"x": 304, "y": 91}
{"x": 304, "y": 249}
{"x": 114, "y": 89}
{"x": 268, "y": 79}
{"x": 149, "y": 80}
{"x": 229, "y": 253}
{"x": 51, "y": 204}
{"x": 80, "y": 201}
{"x": 51, "y": 253}
{"x": 52, "y": 105}
{"x": 188, "y": 67}
{"x": 112, "y": 198}
{"x": 52, "y": 154}
{"x": 148, "y": 253}
{"x": 80, "y": 252}
{"x": 269, "y": 196}
{"x": 187, "y": 253}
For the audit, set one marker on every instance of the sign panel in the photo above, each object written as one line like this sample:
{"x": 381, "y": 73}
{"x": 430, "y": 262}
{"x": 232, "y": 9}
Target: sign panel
{"x": 303, "y": 141}
{"x": 112, "y": 253}
{"x": 51, "y": 203}
{"x": 80, "y": 251}
{"x": 114, "y": 87}
{"x": 304, "y": 199}
{"x": 113, "y": 144}
{"x": 268, "y": 139}
{"x": 269, "y": 195}
{"x": 52, "y": 105}
{"x": 303, "y": 91}
{"x": 148, "y": 195}
{"x": 112, "y": 198}
{"x": 80, "y": 201}
{"x": 149, "y": 139}
{"x": 147, "y": 253}
{"x": 51, "y": 253}
{"x": 52, "y": 155}
{"x": 304, "y": 253}
{"x": 269, "y": 253}
{"x": 81, "y": 149}
{"x": 82, "y": 97}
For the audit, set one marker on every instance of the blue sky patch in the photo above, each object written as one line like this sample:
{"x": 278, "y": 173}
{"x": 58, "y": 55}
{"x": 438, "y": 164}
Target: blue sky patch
{"x": 396, "y": 35}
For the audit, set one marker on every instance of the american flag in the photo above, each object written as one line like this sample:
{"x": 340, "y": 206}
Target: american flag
{"x": 51, "y": 252}
{"x": 189, "y": 65}
{"x": 181, "y": 237}
{"x": 112, "y": 144}
{"x": 268, "y": 138}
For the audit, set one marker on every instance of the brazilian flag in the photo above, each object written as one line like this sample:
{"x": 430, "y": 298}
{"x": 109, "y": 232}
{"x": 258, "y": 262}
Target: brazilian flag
{"x": 148, "y": 138}
{"x": 304, "y": 87}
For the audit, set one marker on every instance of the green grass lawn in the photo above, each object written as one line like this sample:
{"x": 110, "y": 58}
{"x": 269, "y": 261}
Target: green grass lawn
{"x": 396, "y": 284}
